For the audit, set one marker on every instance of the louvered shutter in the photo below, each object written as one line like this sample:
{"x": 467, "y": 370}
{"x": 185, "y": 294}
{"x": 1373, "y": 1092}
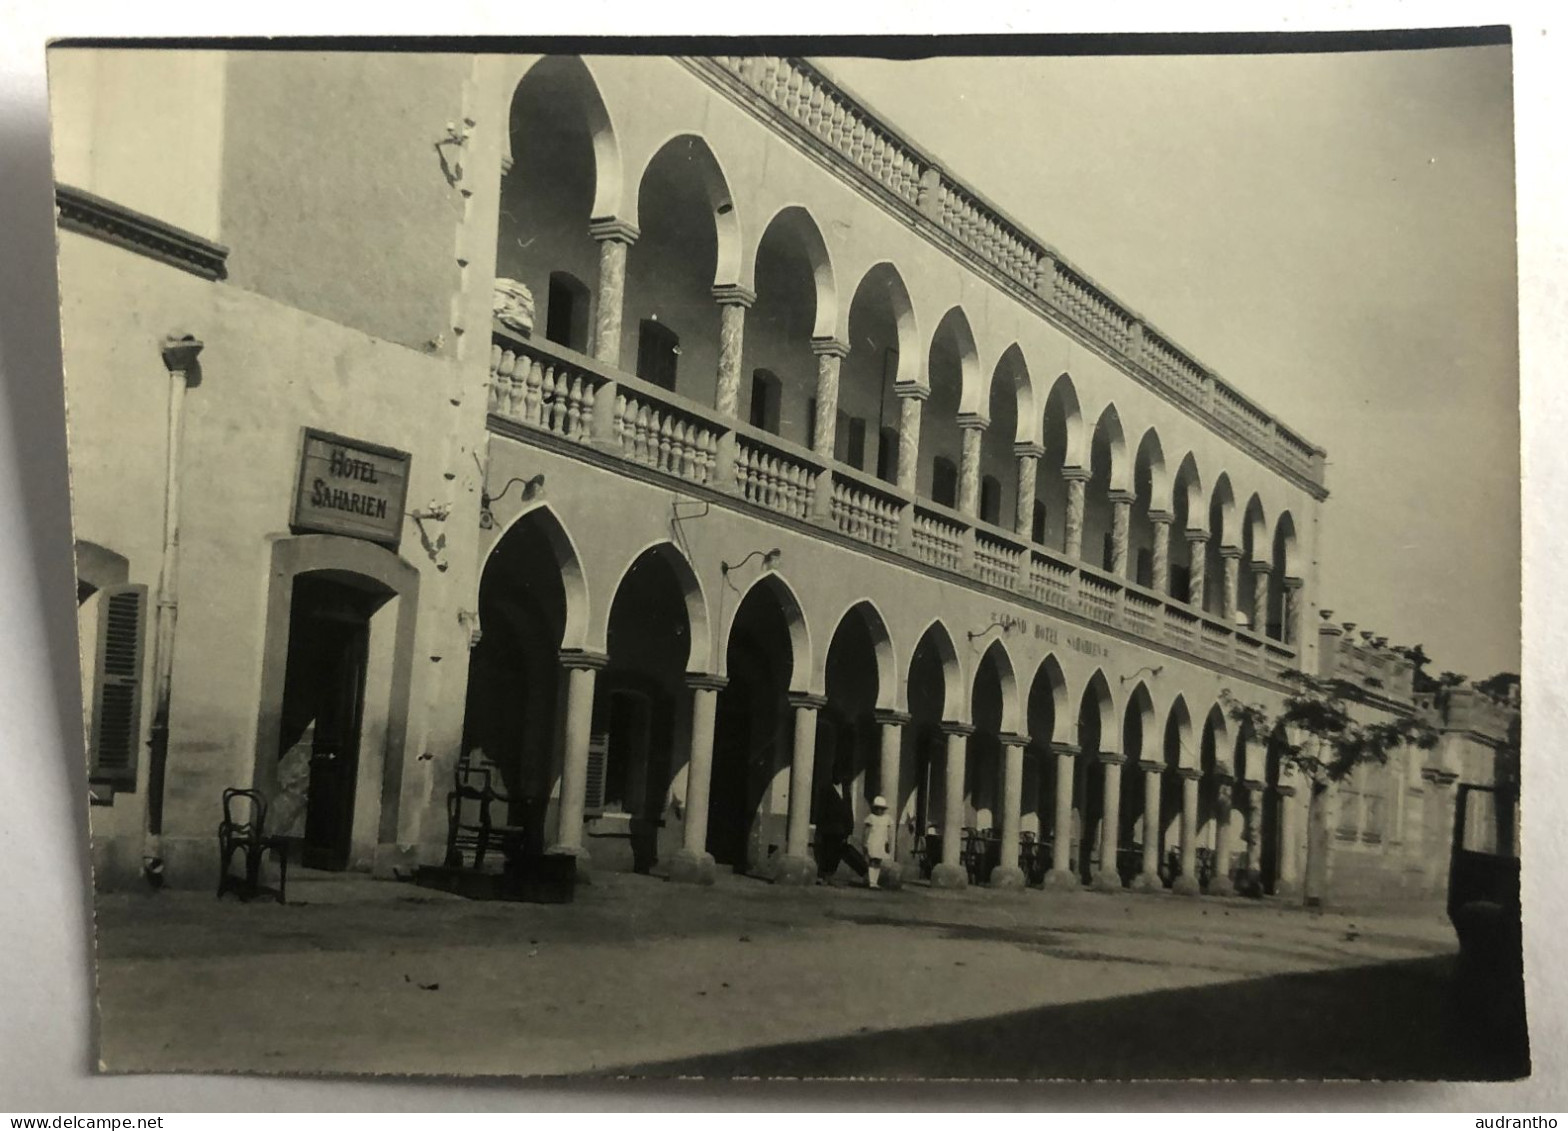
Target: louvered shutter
{"x": 117, "y": 693}
{"x": 598, "y": 765}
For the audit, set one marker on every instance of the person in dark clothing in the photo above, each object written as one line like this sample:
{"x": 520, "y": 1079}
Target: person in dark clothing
{"x": 835, "y": 825}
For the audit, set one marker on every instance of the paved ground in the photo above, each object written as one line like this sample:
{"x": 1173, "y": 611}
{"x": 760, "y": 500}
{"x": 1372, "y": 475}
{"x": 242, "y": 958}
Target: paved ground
{"x": 643, "y": 978}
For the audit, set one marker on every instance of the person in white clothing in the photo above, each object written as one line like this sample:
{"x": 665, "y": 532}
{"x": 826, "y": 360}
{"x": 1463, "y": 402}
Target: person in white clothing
{"x": 879, "y": 839}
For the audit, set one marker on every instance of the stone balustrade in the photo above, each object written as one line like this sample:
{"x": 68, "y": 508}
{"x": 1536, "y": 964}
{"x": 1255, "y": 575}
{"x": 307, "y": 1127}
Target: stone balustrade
{"x": 794, "y": 96}
{"x": 579, "y": 405}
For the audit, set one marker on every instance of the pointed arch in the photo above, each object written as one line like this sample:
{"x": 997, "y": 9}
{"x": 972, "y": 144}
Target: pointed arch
{"x": 936, "y": 638}
{"x": 1287, "y": 559}
{"x": 1011, "y": 383}
{"x": 997, "y": 658}
{"x": 568, "y": 81}
{"x": 883, "y": 285}
{"x": 1063, "y": 399}
{"x": 1224, "y": 529}
{"x": 770, "y": 586}
{"x": 1254, "y": 530}
{"x": 795, "y": 224}
{"x": 1180, "y": 750}
{"x": 953, "y": 333}
{"x": 1110, "y": 443}
{"x": 1187, "y": 493}
{"x": 1048, "y": 693}
{"x": 692, "y": 157}
{"x": 1139, "y": 738}
{"x": 1150, "y": 481}
{"x": 875, "y": 624}
{"x": 1217, "y": 732}
{"x": 541, "y": 519}
{"x": 1097, "y": 703}
{"x": 700, "y": 657}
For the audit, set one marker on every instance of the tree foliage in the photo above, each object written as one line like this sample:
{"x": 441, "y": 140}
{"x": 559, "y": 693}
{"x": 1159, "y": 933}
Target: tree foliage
{"x": 1317, "y": 734}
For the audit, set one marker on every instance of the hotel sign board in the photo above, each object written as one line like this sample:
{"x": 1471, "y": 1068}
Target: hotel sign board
{"x": 350, "y": 487}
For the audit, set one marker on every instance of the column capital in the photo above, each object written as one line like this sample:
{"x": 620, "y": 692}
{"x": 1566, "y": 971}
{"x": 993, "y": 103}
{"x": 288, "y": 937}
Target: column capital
{"x": 1258, "y": 568}
{"x": 829, "y": 347}
{"x": 1188, "y": 773}
{"x": 909, "y": 391}
{"x": 1438, "y": 776}
{"x": 1027, "y": 449}
{"x": 703, "y": 681}
{"x": 1110, "y": 758}
{"x": 1195, "y": 536}
{"x": 733, "y": 294}
{"x": 1161, "y": 518}
{"x": 1285, "y": 790}
{"x": 582, "y": 658}
{"x": 1009, "y": 739}
{"x": 1066, "y": 748}
{"x": 1228, "y": 552}
{"x": 800, "y": 699}
{"x": 962, "y": 730}
{"x": 1224, "y": 773}
{"x": 1150, "y": 766}
{"x": 1293, "y": 582}
{"x": 967, "y": 420}
{"x": 612, "y": 228}
{"x": 889, "y": 717}
{"x": 1120, "y": 495}
{"x": 1075, "y": 474}
{"x": 1252, "y": 784}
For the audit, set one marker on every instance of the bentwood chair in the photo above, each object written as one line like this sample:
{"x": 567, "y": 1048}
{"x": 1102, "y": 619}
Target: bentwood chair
{"x": 244, "y": 830}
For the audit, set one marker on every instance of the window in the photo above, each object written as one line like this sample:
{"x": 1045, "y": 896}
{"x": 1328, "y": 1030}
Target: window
{"x": 887, "y": 455}
{"x": 811, "y": 424}
{"x": 1145, "y": 570}
{"x": 1107, "y": 552}
{"x": 991, "y": 500}
{"x": 658, "y": 349}
{"x": 1181, "y": 583}
{"x": 115, "y": 728}
{"x": 850, "y": 441}
{"x": 1037, "y": 529}
{"x": 765, "y": 395}
{"x": 944, "y": 481}
{"x": 566, "y": 315}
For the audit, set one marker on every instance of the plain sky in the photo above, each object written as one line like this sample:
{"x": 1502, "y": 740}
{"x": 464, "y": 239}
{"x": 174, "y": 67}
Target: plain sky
{"x": 1332, "y": 233}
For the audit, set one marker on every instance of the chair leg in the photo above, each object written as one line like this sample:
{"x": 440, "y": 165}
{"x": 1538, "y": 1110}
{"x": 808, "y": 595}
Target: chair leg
{"x": 282, "y": 853}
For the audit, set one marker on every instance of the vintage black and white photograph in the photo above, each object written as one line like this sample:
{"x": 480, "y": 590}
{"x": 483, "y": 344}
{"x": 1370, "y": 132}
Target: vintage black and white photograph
{"x": 899, "y": 563}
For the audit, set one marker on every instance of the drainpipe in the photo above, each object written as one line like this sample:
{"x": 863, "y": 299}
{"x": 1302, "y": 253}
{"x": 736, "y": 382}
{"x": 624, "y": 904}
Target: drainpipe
{"x": 180, "y": 359}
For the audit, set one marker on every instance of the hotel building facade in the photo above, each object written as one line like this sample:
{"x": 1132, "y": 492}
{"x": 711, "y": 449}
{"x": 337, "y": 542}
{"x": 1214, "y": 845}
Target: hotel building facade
{"x": 677, "y": 439}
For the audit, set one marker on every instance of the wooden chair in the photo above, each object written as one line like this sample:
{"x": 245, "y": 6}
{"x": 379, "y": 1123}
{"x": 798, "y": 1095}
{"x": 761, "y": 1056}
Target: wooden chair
{"x": 471, "y": 824}
{"x": 249, "y": 836}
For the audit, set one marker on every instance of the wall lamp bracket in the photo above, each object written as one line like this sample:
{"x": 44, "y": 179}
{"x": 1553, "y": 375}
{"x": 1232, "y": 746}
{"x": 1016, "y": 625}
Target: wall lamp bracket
{"x": 769, "y": 559}
{"x": 1155, "y": 671}
{"x": 531, "y": 490}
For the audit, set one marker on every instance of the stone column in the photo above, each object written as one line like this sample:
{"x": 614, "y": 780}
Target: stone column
{"x": 1260, "y": 596}
{"x": 1107, "y": 878}
{"x": 1061, "y": 877}
{"x": 1007, "y": 873}
{"x": 1187, "y": 882}
{"x": 1254, "y": 829}
{"x": 1230, "y": 560}
{"x": 830, "y": 356}
{"x": 892, "y": 725}
{"x": 733, "y": 302}
{"x": 1121, "y": 521}
{"x": 1077, "y": 485}
{"x": 1224, "y": 840}
{"x": 910, "y": 399}
{"x": 950, "y": 872}
{"x": 693, "y": 864}
{"x": 1149, "y": 878}
{"x": 1290, "y": 618}
{"x": 1198, "y": 566}
{"x": 581, "y": 668}
{"x": 1288, "y": 882}
{"x": 797, "y": 866}
{"x": 972, "y": 426}
{"x": 1161, "y": 581}
{"x": 615, "y": 237}
{"x": 1028, "y": 457}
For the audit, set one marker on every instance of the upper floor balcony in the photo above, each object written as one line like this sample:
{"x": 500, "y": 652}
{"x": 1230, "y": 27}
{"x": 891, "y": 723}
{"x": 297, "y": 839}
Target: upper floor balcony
{"x": 553, "y": 396}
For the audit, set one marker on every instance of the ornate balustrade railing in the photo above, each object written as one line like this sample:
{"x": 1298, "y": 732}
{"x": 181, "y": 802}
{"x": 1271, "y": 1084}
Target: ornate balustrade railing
{"x": 800, "y": 100}
{"x": 580, "y": 404}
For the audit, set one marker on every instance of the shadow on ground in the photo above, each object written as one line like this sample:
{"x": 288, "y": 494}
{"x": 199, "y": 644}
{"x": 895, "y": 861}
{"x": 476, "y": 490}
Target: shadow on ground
{"x": 1390, "y": 1021}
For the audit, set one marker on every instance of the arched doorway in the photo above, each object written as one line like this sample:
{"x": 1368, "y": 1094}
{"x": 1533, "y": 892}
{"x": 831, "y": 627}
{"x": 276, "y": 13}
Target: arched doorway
{"x": 1109, "y": 479}
{"x": 794, "y": 285}
{"x": 1061, "y": 435}
{"x": 753, "y": 733}
{"x": 1096, "y": 736}
{"x": 933, "y": 681}
{"x": 952, "y": 360}
{"x": 1047, "y": 703}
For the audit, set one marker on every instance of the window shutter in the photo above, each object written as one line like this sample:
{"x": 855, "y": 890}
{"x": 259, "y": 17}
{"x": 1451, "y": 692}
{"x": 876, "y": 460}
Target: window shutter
{"x": 117, "y": 696}
{"x": 598, "y": 764}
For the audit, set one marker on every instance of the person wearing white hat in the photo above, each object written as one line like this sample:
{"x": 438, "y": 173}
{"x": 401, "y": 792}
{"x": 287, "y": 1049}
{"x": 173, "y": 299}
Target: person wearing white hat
{"x": 879, "y": 839}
